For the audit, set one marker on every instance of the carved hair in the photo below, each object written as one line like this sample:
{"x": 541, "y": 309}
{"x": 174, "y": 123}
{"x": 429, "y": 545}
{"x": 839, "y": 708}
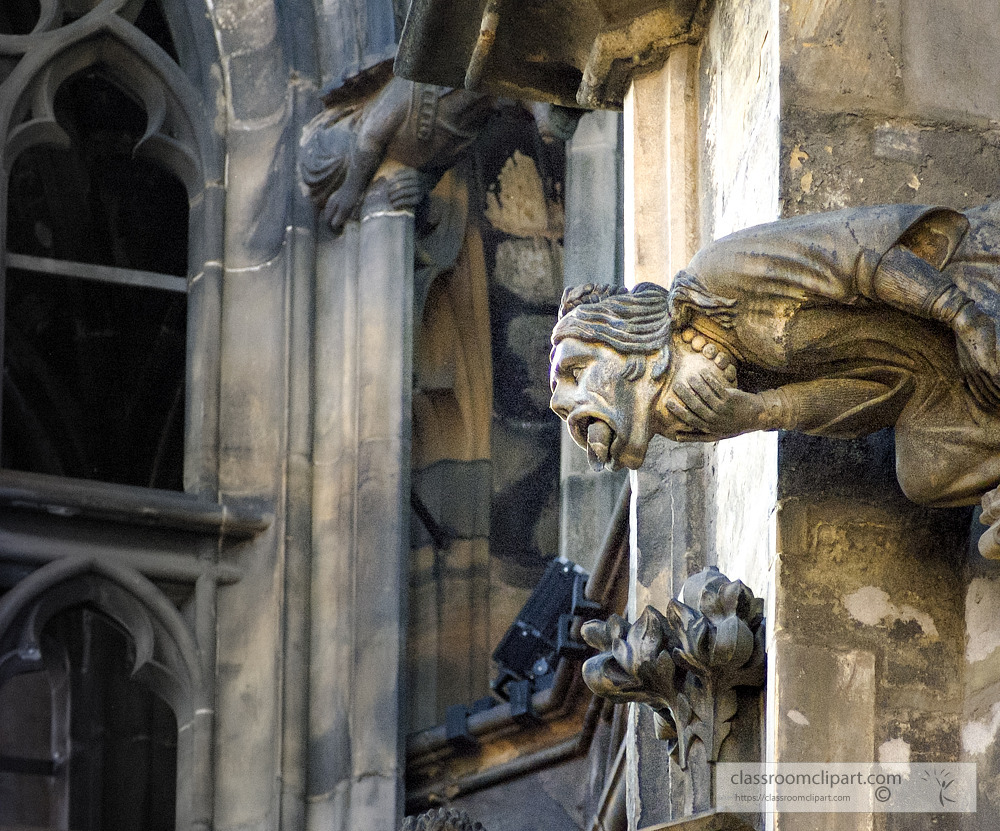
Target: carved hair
{"x": 441, "y": 819}
{"x": 635, "y": 324}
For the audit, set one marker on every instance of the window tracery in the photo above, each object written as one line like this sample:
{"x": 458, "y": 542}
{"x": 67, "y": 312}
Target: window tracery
{"x": 110, "y": 240}
{"x": 105, "y": 157}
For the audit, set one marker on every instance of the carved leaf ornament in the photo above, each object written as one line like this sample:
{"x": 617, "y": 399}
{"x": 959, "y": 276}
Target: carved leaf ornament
{"x": 685, "y": 664}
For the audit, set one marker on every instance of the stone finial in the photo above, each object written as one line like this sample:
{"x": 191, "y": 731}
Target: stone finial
{"x": 685, "y": 664}
{"x": 441, "y": 819}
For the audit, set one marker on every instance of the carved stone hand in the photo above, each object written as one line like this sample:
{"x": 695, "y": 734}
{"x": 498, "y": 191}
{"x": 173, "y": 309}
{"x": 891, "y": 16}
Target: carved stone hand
{"x": 711, "y": 409}
{"x": 406, "y": 189}
{"x": 976, "y": 334}
{"x": 339, "y": 208}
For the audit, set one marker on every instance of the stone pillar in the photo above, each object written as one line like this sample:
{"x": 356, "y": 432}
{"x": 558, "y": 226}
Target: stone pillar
{"x": 363, "y": 348}
{"x": 701, "y": 150}
{"x": 252, "y": 417}
{"x": 355, "y": 35}
{"x": 593, "y": 254}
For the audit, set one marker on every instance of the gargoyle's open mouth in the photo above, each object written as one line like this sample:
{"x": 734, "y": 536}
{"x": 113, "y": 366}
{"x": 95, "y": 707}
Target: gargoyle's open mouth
{"x": 597, "y": 436}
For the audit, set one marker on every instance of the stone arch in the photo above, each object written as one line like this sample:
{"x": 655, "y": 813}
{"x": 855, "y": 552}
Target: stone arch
{"x": 165, "y": 656}
{"x": 179, "y": 131}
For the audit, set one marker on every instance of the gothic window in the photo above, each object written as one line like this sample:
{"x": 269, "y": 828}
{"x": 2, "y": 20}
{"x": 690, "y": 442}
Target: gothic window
{"x": 95, "y": 296}
{"x": 110, "y": 229}
{"x": 101, "y": 163}
{"x": 100, "y": 687}
{"x": 90, "y": 722}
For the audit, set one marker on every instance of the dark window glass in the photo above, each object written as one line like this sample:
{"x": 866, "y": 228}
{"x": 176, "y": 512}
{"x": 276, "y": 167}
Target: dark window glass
{"x": 99, "y": 201}
{"x": 94, "y": 380}
{"x": 152, "y": 23}
{"x": 94, "y": 365}
{"x": 18, "y": 17}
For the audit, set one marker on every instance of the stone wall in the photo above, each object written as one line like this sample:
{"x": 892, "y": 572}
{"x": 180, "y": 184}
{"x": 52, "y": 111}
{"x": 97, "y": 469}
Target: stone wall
{"x": 703, "y": 133}
{"x": 804, "y": 107}
{"x": 887, "y": 102}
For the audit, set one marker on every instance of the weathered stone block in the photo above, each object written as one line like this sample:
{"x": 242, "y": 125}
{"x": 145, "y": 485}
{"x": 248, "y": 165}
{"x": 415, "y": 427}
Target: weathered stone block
{"x": 841, "y": 54}
{"x": 528, "y": 340}
{"x": 950, "y": 60}
{"x": 531, "y": 269}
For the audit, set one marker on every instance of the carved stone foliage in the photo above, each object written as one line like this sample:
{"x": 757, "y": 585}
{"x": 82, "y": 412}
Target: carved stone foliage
{"x": 835, "y": 324}
{"x": 441, "y": 819}
{"x": 685, "y": 663}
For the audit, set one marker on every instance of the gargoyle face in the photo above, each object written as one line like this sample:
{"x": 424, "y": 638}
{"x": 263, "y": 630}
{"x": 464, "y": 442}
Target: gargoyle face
{"x": 607, "y": 414}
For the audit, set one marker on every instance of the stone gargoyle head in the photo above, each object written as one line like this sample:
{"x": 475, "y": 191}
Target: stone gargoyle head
{"x": 615, "y": 361}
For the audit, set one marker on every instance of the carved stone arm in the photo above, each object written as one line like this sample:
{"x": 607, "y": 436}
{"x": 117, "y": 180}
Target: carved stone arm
{"x": 837, "y": 407}
{"x": 378, "y": 127}
{"x": 909, "y": 282}
{"x": 840, "y": 407}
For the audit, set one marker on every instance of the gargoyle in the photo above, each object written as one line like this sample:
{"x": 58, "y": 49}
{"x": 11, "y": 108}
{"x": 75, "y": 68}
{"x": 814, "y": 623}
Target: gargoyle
{"x": 421, "y": 128}
{"x": 835, "y": 324}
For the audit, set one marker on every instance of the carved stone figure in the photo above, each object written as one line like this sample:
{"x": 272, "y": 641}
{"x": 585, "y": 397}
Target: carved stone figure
{"x": 421, "y": 129}
{"x": 441, "y": 819}
{"x": 834, "y": 324}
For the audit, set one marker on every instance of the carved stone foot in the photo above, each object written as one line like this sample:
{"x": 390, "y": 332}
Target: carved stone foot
{"x": 989, "y": 542}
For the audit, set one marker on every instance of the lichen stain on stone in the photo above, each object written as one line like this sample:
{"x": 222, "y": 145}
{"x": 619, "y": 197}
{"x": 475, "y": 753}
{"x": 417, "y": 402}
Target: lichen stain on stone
{"x": 798, "y": 718}
{"x": 219, "y": 122}
{"x": 798, "y": 156}
{"x": 254, "y": 20}
{"x": 982, "y": 610}
{"x": 894, "y": 751}
{"x": 977, "y": 736}
{"x": 516, "y": 203}
{"x": 871, "y": 606}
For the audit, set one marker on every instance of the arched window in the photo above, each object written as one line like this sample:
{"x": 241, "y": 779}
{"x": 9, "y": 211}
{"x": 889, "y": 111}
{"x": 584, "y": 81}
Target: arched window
{"x": 94, "y": 346}
{"x": 105, "y": 157}
{"x": 102, "y": 703}
{"x": 110, "y": 274}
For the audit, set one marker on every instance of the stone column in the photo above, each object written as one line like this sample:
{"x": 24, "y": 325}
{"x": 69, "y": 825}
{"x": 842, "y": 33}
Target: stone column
{"x": 252, "y": 416}
{"x": 363, "y": 348}
{"x": 700, "y": 149}
{"x": 592, "y": 254}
